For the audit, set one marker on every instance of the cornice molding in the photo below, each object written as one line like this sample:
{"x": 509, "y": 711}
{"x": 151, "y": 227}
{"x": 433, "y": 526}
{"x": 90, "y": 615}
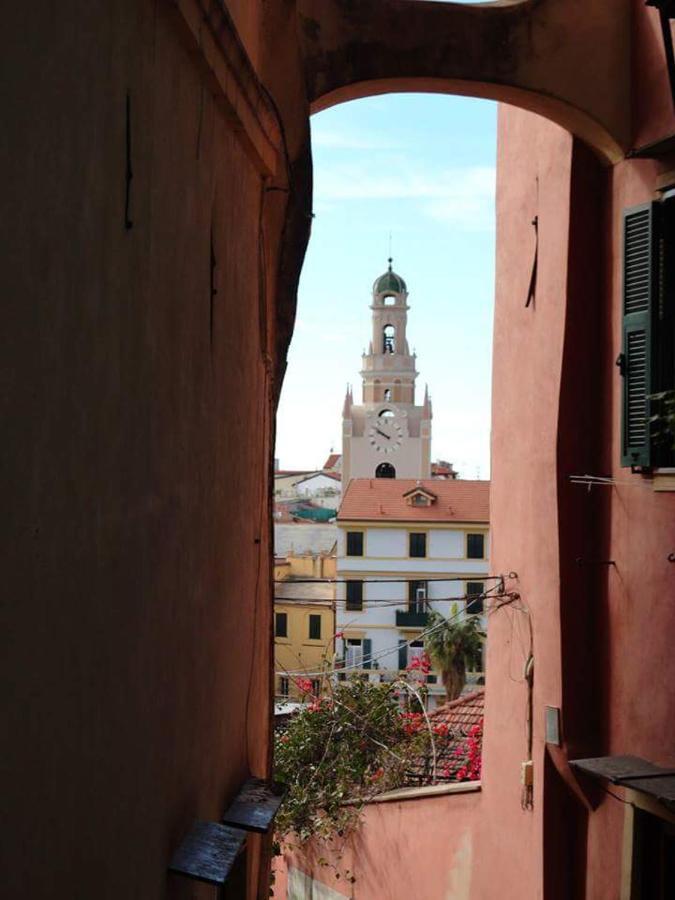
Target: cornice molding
{"x": 210, "y": 36}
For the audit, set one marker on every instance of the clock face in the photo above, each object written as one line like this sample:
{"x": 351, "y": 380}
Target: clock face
{"x": 385, "y": 435}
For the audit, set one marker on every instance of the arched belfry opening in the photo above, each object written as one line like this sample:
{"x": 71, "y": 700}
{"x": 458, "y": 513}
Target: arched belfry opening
{"x": 385, "y": 470}
{"x": 389, "y": 339}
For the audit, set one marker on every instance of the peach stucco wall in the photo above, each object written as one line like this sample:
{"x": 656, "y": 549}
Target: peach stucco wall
{"x": 421, "y": 847}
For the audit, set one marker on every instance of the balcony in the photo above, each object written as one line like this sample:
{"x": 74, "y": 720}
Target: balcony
{"x": 410, "y": 619}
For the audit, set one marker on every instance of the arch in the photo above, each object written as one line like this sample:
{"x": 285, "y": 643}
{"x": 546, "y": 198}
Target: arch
{"x": 385, "y": 470}
{"x": 405, "y": 46}
{"x": 389, "y": 339}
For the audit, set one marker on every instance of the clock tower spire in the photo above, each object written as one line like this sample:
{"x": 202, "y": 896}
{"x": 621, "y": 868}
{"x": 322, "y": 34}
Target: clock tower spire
{"x": 387, "y": 436}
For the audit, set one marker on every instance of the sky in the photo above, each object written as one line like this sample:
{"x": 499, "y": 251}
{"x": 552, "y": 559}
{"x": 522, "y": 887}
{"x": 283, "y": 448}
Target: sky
{"x": 420, "y": 167}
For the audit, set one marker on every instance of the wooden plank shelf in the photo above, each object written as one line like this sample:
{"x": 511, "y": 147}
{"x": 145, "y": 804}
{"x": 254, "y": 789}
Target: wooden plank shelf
{"x": 632, "y": 772}
{"x": 208, "y": 852}
{"x": 254, "y": 807}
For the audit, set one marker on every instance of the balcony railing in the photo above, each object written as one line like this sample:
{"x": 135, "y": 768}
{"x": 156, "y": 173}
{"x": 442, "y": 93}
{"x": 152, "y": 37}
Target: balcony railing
{"x": 408, "y": 619}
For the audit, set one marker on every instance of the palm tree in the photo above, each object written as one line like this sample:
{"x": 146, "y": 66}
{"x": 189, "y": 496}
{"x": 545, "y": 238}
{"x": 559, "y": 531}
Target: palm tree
{"x": 453, "y": 645}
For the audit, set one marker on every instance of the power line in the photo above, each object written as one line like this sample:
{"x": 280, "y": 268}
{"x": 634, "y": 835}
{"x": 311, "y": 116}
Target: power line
{"x": 377, "y": 580}
{"x": 374, "y": 656}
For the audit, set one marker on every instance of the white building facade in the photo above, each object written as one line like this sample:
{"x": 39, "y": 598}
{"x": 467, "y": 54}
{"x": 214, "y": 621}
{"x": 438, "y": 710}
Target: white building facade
{"x": 406, "y": 546}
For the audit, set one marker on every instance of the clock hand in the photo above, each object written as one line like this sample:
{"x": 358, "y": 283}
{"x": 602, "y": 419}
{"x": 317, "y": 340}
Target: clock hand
{"x": 383, "y": 434}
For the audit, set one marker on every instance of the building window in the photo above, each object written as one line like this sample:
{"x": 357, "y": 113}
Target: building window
{"x": 647, "y": 359}
{"x": 354, "y": 543}
{"x": 283, "y": 686}
{"x": 417, "y": 544}
{"x": 416, "y": 651}
{"x": 474, "y": 601}
{"x": 385, "y": 470}
{"x": 316, "y": 686}
{"x": 281, "y": 624}
{"x": 354, "y": 653}
{"x": 475, "y": 546}
{"x": 354, "y": 595}
{"x": 314, "y": 627}
{"x": 417, "y": 596}
{"x": 387, "y": 394}
{"x": 389, "y": 339}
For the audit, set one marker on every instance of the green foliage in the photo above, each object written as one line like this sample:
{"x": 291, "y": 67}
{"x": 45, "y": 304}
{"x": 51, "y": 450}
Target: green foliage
{"x": 453, "y": 645}
{"x": 337, "y": 754}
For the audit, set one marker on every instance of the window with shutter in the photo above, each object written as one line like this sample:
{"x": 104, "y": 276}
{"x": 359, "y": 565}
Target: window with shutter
{"x": 639, "y": 283}
{"x": 475, "y": 546}
{"x": 417, "y": 541}
{"x": 354, "y": 543}
{"x": 314, "y": 627}
{"x": 417, "y": 596}
{"x": 367, "y": 653}
{"x": 281, "y": 624}
{"x": 402, "y": 654}
{"x": 474, "y": 592}
{"x": 354, "y": 595}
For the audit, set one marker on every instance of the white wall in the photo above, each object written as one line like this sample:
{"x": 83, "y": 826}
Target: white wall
{"x": 386, "y": 542}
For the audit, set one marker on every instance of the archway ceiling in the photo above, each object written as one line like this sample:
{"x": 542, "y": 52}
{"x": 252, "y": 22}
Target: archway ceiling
{"x": 565, "y": 59}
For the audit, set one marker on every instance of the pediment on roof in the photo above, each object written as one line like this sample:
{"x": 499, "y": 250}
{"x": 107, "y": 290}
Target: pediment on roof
{"x": 420, "y": 496}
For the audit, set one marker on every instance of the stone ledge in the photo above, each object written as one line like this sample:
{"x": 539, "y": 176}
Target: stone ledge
{"x": 432, "y": 790}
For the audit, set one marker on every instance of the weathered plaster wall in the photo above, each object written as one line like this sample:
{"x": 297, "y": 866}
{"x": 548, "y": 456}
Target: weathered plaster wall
{"x": 600, "y": 633}
{"x": 533, "y": 179}
{"x": 135, "y": 602}
{"x": 422, "y": 847}
{"x": 139, "y": 371}
{"x": 538, "y": 54}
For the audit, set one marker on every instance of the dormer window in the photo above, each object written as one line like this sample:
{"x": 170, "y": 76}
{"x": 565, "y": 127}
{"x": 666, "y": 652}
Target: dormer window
{"x": 419, "y": 496}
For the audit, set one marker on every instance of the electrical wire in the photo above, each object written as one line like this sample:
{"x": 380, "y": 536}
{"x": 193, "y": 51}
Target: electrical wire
{"x": 381, "y": 653}
{"x": 376, "y": 580}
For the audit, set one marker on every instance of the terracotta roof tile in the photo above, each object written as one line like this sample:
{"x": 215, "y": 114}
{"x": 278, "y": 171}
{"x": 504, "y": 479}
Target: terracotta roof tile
{"x": 461, "y": 714}
{"x": 332, "y": 460}
{"x": 383, "y": 498}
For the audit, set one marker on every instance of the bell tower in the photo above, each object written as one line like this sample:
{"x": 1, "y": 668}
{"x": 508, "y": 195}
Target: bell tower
{"x": 387, "y": 435}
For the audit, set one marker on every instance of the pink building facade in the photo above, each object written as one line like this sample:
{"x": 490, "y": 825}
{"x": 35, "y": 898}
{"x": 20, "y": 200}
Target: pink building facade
{"x": 581, "y": 667}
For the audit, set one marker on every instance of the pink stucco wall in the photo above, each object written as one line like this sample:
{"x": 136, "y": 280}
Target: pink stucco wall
{"x": 600, "y": 633}
{"x": 421, "y": 847}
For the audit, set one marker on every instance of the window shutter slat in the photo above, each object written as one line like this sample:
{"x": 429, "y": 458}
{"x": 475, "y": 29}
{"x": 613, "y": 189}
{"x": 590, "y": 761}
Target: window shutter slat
{"x": 402, "y": 654}
{"x": 639, "y": 282}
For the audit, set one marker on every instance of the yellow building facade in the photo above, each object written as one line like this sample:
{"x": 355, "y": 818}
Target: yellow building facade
{"x": 304, "y": 623}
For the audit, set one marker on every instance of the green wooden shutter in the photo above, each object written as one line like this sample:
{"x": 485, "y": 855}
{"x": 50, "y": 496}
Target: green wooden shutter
{"x": 639, "y": 286}
{"x": 367, "y": 653}
{"x": 402, "y": 654}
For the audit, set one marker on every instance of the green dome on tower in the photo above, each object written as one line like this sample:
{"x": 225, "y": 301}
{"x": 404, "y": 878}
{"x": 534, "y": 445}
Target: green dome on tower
{"x": 390, "y": 281}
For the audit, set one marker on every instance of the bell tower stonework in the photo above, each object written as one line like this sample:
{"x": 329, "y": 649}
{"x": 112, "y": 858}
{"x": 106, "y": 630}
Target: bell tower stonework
{"x": 387, "y": 436}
